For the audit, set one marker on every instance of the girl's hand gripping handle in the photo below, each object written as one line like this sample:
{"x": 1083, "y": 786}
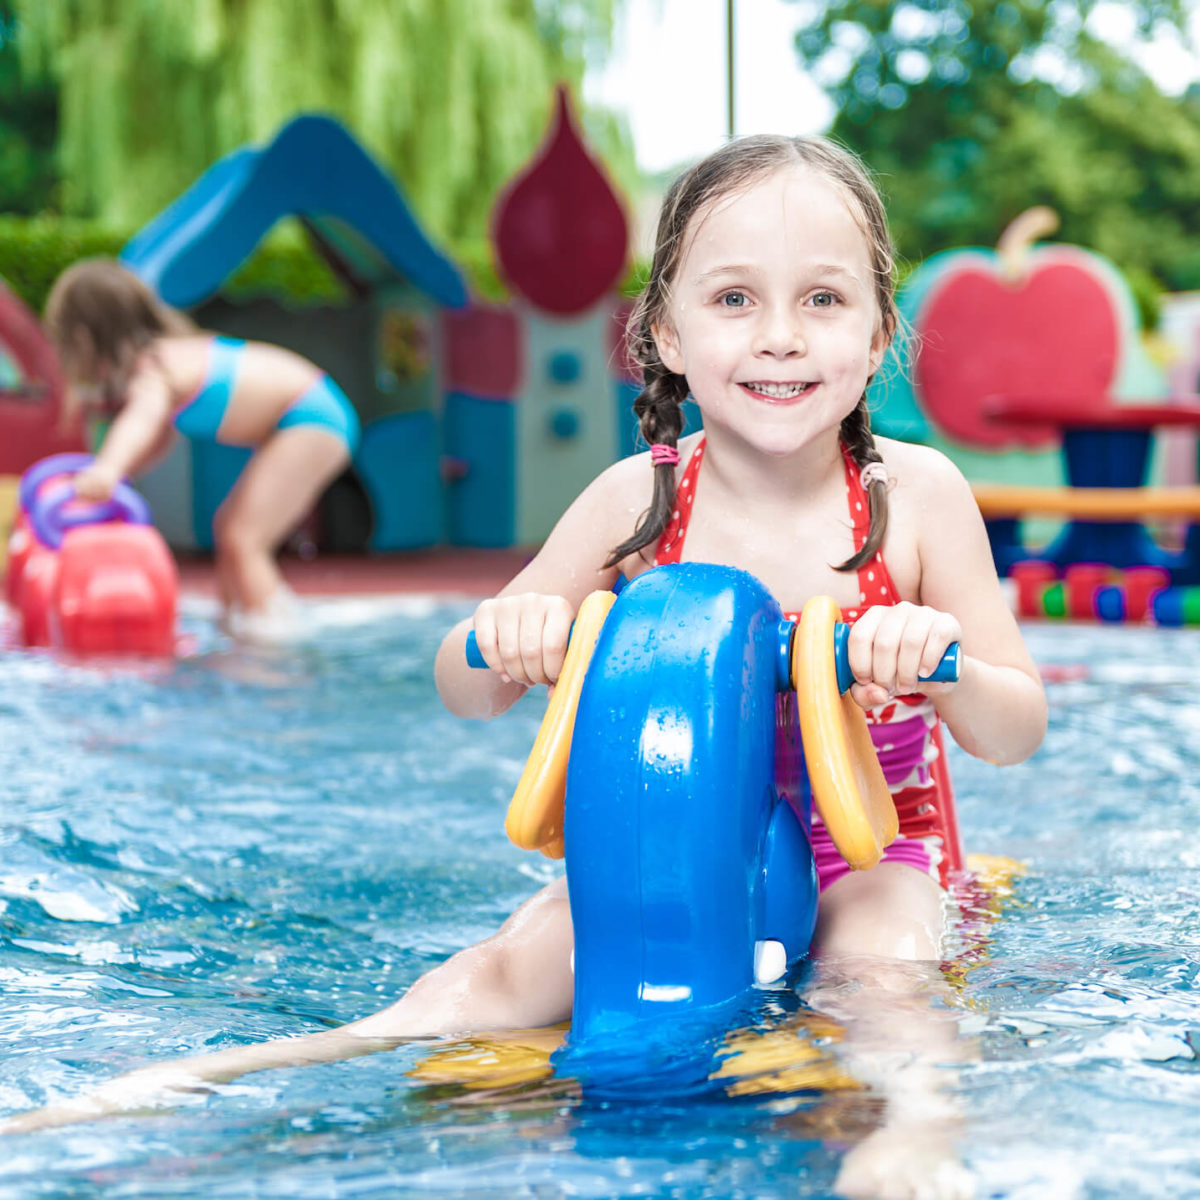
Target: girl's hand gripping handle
{"x": 947, "y": 671}
{"x": 57, "y": 510}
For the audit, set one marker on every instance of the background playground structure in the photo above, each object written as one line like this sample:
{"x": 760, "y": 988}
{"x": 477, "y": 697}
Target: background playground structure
{"x": 479, "y": 417}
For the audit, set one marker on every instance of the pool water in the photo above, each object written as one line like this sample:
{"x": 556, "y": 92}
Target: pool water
{"x": 245, "y": 845}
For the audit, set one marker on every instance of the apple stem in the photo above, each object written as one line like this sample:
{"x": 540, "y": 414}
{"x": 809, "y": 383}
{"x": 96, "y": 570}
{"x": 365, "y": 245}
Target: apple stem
{"x": 1015, "y": 243}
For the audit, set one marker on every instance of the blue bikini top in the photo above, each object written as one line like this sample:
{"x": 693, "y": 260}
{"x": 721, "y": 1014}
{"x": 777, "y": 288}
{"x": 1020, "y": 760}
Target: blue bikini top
{"x": 201, "y": 416}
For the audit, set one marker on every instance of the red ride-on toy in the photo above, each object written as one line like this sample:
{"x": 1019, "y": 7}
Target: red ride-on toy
{"x": 89, "y": 578}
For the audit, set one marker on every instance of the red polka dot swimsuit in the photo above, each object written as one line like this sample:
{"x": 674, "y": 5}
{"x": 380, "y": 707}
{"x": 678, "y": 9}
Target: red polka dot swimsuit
{"x": 906, "y": 731}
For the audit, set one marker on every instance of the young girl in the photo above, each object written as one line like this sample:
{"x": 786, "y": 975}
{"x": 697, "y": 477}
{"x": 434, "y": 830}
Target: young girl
{"x": 131, "y": 357}
{"x": 770, "y": 303}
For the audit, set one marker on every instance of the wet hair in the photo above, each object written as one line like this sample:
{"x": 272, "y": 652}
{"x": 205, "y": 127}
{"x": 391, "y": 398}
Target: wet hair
{"x": 659, "y": 407}
{"x": 100, "y": 313}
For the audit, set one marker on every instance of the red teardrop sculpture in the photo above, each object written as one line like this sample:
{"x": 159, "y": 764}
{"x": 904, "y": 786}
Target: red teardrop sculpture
{"x": 559, "y": 230}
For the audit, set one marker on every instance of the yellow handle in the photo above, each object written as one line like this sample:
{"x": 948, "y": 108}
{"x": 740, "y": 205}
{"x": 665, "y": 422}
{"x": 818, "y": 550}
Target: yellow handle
{"x": 535, "y": 814}
{"x": 847, "y": 781}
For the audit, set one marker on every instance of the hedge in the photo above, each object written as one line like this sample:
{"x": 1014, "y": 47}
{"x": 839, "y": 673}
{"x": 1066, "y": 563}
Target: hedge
{"x": 35, "y": 250}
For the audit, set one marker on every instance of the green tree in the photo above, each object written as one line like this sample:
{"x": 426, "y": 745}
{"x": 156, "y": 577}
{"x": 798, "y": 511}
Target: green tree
{"x": 971, "y": 113}
{"x": 451, "y": 96}
{"x": 28, "y": 129}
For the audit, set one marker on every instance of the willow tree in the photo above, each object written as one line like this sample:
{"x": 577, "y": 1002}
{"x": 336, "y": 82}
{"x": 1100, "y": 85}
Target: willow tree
{"x": 451, "y": 96}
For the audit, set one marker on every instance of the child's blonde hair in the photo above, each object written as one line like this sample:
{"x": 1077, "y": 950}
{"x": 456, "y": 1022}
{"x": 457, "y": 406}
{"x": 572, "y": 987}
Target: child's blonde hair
{"x": 99, "y": 313}
{"x": 659, "y": 407}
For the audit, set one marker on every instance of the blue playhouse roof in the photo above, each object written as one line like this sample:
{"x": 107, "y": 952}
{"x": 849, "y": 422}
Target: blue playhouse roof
{"x": 314, "y": 169}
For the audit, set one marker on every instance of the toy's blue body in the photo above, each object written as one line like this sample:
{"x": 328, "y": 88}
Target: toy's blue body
{"x": 684, "y": 846}
{"x": 687, "y": 814}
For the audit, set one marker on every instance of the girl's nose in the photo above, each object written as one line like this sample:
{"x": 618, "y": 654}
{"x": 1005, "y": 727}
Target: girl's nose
{"x": 779, "y": 335}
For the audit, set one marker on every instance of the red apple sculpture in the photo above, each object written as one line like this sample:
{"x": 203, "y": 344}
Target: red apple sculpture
{"x": 1024, "y": 323}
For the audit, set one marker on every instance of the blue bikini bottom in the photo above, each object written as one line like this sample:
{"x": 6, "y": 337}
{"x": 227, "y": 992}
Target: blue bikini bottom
{"x": 325, "y": 405}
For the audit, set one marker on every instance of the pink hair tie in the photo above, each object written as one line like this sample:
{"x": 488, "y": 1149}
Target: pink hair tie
{"x": 663, "y": 455}
{"x": 873, "y": 472}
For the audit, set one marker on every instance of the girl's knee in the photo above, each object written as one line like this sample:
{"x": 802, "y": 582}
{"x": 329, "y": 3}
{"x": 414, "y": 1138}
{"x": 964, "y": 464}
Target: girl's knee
{"x": 510, "y": 982}
{"x": 892, "y": 911}
{"x": 236, "y": 539}
{"x": 221, "y": 522}
{"x": 533, "y": 948}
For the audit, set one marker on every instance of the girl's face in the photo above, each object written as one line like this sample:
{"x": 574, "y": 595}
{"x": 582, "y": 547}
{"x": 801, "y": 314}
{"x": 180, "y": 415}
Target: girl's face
{"x": 773, "y": 315}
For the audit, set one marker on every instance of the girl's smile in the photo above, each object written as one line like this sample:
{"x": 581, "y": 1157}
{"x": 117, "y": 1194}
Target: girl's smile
{"x": 778, "y": 393}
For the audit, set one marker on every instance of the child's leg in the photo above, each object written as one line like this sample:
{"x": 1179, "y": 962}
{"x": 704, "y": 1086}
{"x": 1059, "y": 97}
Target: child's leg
{"x": 279, "y": 485}
{"x": 519, "y": 978}
{"x": 224, "y": 580}
{"x": 891, "y": 911}
{"x": 879, "y": 939}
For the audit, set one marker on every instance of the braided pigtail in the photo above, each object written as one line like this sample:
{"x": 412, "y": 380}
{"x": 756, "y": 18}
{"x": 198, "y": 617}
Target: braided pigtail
{"x": 858, "y": 439}
{"x": 659, "y": 410}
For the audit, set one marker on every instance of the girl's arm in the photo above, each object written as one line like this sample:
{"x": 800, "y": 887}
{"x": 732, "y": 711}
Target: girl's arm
{"x": 157, "y": 453}
{"x": 522, "y": 631}
{"x": 997, "y": 710}
{"x": 139, "y": 433}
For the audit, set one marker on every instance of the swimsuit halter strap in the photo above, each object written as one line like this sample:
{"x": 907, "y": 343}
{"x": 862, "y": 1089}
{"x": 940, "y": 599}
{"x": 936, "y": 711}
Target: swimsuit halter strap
{"x": 875, "y": 584}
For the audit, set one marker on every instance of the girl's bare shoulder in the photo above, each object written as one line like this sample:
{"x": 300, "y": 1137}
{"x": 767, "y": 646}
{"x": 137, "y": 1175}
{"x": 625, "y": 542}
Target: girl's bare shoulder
{"x": 618, "y": 496}
{"x": 180, "y": 359}
{"x": 183, "y": 345}
{"x": 627, "y": 487}
{"x": 921, "y": 475}
{"x": 608, "y": 510}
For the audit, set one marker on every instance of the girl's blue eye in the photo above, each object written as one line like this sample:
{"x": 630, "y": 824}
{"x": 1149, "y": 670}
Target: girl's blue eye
{"x": 824, "y": 300}
{"x": 733, "y": 300}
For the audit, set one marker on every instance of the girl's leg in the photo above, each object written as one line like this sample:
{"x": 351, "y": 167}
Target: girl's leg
{"x": 892, "y": 912}
{"x": 879, "y": 946}
{"x": 224, "y": 577}
{"x": 279, "y": 485}
{"x": 519, "y": 978}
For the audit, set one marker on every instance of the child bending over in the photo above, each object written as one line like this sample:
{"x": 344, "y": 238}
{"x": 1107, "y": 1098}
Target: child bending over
{"x": 135, "y": 360}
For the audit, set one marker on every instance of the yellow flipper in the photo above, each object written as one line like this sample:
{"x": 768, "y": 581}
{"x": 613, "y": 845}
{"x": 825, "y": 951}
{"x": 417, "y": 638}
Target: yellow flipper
{"x": 847, "y": 781}
{"x": 994, "y": 873}
{"x": 755, "y": 1063}
{"x": 535, "y": 814}
{"x": 499, "y": 1060}
{"x": 787, "y": 1059}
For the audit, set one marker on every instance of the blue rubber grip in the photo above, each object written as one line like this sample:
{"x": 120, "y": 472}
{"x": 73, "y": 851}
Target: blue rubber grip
{"x": 947, "y": 671}
{"x": 474, "y": 658}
